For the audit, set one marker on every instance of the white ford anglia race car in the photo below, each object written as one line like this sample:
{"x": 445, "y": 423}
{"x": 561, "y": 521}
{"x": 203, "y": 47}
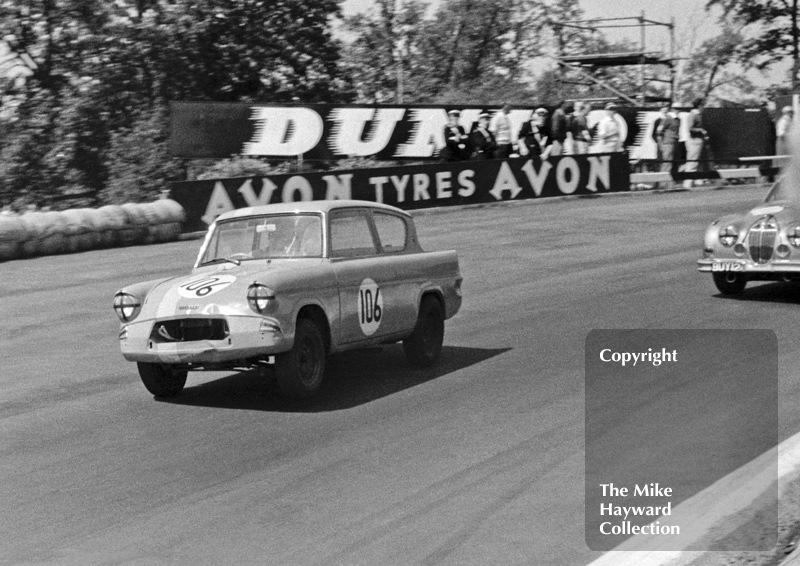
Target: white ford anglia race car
{"x": 761, "y": 245}
{"x": 290, "y": 284}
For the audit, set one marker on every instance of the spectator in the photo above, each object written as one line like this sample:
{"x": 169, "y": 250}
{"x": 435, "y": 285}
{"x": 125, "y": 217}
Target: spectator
{"x": 455, "y": 148}
{"x": 482, "y": 140}
{"x": 559, "y": 126}
{"x": 500, "y": 126}
{"x": 608, "y": 131}
{"x": 782, "y": 128}
{"x": 534, "y": 135}
{"x": 579, "y": 128}
{"x": 697, "y": 138}
{"x": 668, "y": 132}
{"x": 658, "y": 129}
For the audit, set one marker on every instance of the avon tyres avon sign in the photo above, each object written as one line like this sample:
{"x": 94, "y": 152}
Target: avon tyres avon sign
{"x": 410, "y": 187}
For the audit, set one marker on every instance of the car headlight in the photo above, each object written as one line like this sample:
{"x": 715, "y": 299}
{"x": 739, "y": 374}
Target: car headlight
{"x": 259, "y": 297}
{"x": 728, "y": 235}
{"x": 793, "y": 235}
{"x": 126, "y": 306}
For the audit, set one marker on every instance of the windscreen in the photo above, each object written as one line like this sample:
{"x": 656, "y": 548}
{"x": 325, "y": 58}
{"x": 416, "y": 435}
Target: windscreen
{"x": 266, "y": 237}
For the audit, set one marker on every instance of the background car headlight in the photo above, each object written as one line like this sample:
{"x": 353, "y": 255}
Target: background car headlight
{"x": 793, "y": 235}
{"x": 259, "y": 297}
{"x": 728, "y": 235}
{"x": 126, "y": 306}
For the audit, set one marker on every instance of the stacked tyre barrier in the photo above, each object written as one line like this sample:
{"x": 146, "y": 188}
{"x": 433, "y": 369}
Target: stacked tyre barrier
{"x": 82, "y": 229}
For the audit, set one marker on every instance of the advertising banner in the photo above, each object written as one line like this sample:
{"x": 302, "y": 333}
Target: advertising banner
{"x": 410, "y": 187}
{"x": 390, "y": 132}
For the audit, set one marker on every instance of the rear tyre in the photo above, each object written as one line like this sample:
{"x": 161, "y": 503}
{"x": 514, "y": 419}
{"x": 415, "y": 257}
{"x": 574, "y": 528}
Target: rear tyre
{"x": 161, "y": 380}
{"x": 299, "y": 372}
{"x": 730, "y": 283}
{"x": 424, "y": 345}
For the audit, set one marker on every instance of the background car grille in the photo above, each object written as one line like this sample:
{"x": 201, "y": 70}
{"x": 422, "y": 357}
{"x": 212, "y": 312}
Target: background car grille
{"x": 761, "y": 239}
{"x": 190, "y": 330}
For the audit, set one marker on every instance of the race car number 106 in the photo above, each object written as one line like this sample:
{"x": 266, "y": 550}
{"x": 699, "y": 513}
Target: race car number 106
{"x": 370, "y": 306}
{"x": 205, "y": 286}
{"x": 727, "y": 266}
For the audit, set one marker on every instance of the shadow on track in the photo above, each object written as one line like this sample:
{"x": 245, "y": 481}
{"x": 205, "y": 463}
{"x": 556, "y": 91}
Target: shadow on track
{"x": 785, "y": 292}
{"x": 351, "y": 379}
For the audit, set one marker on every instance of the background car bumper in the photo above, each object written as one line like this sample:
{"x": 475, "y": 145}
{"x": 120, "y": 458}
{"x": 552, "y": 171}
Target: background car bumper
{"x": 777, "y": 266}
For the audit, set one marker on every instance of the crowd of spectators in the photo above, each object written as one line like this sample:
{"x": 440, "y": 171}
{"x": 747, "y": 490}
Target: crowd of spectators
{"x": 566, "y": 132}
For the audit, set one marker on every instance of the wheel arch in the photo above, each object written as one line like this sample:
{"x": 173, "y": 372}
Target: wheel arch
{"x": 316, "y": 314}
{"x": 432, "y": 292}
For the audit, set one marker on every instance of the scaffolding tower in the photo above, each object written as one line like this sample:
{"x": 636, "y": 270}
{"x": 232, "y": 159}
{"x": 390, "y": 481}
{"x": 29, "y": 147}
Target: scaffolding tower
{"x": 585, "y": 64}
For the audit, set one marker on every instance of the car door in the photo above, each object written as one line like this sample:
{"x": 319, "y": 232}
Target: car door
{"x": 401, "y": 268}
{"x": 366, "y": 295}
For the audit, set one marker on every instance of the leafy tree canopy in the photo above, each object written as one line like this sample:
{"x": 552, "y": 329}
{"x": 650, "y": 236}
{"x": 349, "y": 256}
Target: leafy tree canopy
{"x": 773, "y": 24}
{"x": 107, "y": 70}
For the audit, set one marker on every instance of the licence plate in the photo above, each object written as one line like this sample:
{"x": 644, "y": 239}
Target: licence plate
{"x": 727, "y": 266}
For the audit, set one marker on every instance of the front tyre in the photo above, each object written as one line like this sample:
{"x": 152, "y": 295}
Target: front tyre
{"x": 729, "y": 283}
{"x": 161, "y": 380}
{"x": 299, "y": 371}
{"x": 424, "y": 345}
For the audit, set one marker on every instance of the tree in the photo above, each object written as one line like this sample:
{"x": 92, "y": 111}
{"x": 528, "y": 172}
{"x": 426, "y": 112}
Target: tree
{"x": 377, "y": 55}
{"x": 107, "y": 70}
{"x": 468, "y": 51}
{"x": 713, "y": 69}
{"x": 775, "y": 24}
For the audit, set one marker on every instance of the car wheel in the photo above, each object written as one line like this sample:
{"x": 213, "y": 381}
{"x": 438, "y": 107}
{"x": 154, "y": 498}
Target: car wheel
{"x": 730, "y": 283}
{"x": 162, "y": 380}
{"x": 424, "y": 345}
{"x": 299, "y": 371}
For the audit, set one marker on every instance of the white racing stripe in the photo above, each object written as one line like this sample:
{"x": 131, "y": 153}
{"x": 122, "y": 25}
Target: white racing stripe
{"x": 169, "y": 303}
{"x": 712, "y": 511}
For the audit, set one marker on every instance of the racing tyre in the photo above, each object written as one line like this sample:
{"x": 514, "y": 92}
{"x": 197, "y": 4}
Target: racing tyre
{"x": 162, "y": 380}
{"x": 424, "y": 345}
{"x": 299, "y": 371}
{"x": 730, "y": 283}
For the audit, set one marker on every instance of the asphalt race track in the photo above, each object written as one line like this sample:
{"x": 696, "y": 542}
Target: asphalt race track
{"x": 477, "y": 461}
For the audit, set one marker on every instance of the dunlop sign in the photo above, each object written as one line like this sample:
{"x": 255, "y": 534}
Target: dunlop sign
{"x": 410, "y": 187}
{"x": 390, "y": 132}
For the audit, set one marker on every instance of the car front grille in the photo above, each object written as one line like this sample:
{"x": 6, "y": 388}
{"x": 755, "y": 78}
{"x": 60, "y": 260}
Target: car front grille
{"x": 761, "y": 239}
{"x": 190, "y": 330}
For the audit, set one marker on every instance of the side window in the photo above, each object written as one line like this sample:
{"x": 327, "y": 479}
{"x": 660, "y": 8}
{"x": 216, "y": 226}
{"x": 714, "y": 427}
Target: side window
{"x": 350, "y": 235}
{"x": 391, "y": 231}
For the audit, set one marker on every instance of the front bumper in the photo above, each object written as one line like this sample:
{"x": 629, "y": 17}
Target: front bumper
{"x": 776, "y": 267}
{"x": 248, "y": 337}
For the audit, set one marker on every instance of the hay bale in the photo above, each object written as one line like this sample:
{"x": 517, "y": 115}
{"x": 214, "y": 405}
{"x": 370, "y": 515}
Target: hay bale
{"x": 112, "y": 220}
{"x": 76, "y": 231}
{"x": 154, "y": 220}
{"x": 12, "y": 235}
{"x": 175, "y": 210}
{"x": 135, "y": 230}
{"x": 172, "y": 231}
{"x": 33, "y": 225}
{"x": 11, "y": 228}
{"x": 165, "y": 228}
{"x": 54, "y": 239}
{"x": 44, "y": 233}
{"x": 93, "y": 237}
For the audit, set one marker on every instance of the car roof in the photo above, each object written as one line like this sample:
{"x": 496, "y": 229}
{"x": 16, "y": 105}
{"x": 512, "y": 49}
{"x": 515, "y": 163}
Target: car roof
{"x": 308, "y": 206}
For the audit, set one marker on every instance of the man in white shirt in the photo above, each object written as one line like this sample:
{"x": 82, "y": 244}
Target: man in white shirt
{"x": 608, "y": 131}
{"x": 782, "y": 128}
{"x": 501, "y": 128}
